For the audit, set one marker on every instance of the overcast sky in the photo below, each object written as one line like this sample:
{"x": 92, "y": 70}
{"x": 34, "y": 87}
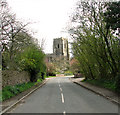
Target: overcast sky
{"x": 51, "y": 17}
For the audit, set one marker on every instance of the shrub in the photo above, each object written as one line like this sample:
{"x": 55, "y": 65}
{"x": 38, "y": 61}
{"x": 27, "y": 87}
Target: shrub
{"x": 32, "y": 60}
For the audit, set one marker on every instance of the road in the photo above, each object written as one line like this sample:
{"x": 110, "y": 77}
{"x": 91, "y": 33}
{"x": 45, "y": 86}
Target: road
{"x": 60, "y": 95}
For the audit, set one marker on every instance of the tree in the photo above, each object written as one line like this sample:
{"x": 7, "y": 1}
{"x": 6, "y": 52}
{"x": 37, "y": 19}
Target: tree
{"x": 32, "y": 60}
{"x": 9, "y": 28}
{"x": 50, "y": 69}
{"x": 61, "y": 64}
{"x": 14, "y": 36}
{"x": 112, "y": 18}
{"x": 94, "y": 45}
{"x": 74, "y": 65}
{"x": 112, "y": 15}
{"x": 20, "y": 50}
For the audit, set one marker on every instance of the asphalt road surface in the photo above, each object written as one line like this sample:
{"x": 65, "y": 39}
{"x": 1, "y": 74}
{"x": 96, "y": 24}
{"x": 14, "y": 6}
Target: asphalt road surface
{"x": 60, "y": 95}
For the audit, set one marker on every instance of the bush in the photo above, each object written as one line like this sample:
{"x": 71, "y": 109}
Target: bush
{"x": 50, "y": 69}
{"x": 32, "y": 60}
{"x": 38, "y": 81}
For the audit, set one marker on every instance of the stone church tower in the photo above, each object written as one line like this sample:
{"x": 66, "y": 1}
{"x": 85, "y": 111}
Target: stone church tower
{"x": 60, "y": 55}
{"x": 60, "y": 48}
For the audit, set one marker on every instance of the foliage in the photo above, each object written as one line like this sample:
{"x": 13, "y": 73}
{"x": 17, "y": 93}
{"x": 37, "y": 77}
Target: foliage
{"x": 61, "y": 64}
{"x": 38, "y": 81}
{"x": 117, "y": 83}
{"x": 49, "y": 76}
{"x": 103, "y": 83}
{"x": 14, "y": 37}
{"x": 74, "y": 65}
{"x": 10, "y": 91}
{"x": 32, "y": 60}
{"x": 112, "y": 15}
{"x": 94, "y": 45}
{"x": 20, "y": 51}
{"x": 50, "y": 69}
{"x": 67, "y": 73}
{"x": 9, "y": 29}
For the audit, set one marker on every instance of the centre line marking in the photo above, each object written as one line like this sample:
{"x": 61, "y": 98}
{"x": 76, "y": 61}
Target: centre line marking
{"x": 62, "y": 97}
{"x": 64, "y": 113}
{"x": 59, "y": 85}
{"x": 60, "y": 89}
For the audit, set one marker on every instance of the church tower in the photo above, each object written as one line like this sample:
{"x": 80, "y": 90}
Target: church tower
{"x": 60, "y": 48}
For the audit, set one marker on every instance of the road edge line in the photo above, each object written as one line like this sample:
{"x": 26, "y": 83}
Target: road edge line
{"x": 112, "y": 100}
{"x": 8, "y": 108}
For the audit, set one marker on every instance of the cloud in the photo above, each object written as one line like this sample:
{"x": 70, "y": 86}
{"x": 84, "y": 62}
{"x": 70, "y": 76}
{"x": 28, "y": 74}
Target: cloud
{"x": 50, "y": 16}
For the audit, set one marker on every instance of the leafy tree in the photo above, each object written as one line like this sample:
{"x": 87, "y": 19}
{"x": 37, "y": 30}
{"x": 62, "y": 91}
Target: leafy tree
{"x": 61, "y": 64}
{"x": 9, "y": 28}
{"x": 20, "y": 51}
{"x": 14, "y": 36}
{"x": 32, "y": 60}
{"x": 112, "y": 15}
{"x": 94, "y": 45}
{"x": 74, "y": 65}
{"x": 50, "y": 69}
{"x": 112, "y": 18}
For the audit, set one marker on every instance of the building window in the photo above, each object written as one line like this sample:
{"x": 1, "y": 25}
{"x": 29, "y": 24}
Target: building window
{"x": 58, "y": 45}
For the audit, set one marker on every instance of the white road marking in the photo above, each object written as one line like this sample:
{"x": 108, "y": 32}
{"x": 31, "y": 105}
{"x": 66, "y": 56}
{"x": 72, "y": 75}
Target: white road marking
{"x": 60, "y": 89}
{"x": 62, "y": 97}
{"x": 64, "y": 113}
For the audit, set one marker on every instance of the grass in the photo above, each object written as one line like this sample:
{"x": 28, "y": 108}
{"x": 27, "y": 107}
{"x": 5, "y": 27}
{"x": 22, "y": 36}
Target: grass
{"x": 38, "y": 81}
{"x": 49, "y": 76}
{"x": 109, "y": 84}
{"x": 10, "y": 91}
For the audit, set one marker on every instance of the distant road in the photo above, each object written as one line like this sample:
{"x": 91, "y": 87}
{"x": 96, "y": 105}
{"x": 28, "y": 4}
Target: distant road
{"x": 60, "y": 95}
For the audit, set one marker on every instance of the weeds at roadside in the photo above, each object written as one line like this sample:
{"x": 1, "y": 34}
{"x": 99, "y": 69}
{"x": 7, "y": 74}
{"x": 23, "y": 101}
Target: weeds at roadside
{"x": 10, "y": 91}
{"x": 103, "y": 83}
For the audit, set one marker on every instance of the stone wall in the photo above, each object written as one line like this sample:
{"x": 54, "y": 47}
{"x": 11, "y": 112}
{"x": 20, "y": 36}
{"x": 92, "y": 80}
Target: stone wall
{"x": 14, "y": 77}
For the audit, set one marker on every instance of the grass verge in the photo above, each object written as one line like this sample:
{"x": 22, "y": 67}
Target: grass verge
{"x": 49, "y": 76}
{"x": 10, "y": 91}
{"x": 103, "y": 83}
